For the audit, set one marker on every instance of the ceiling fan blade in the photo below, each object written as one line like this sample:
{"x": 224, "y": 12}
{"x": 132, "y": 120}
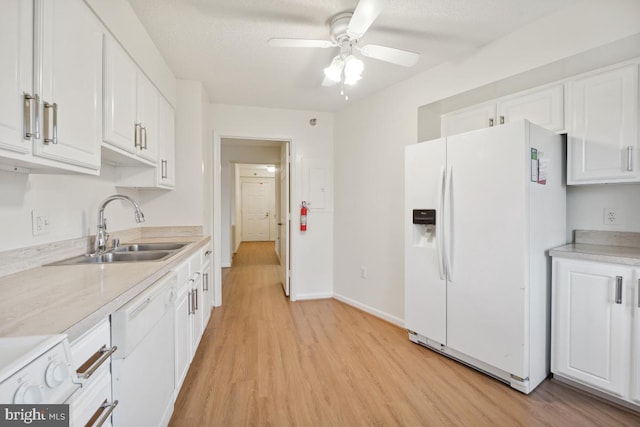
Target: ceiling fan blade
{"x": 300, "y": 43}
{"x": 390, "y": 54}
{"x": 366, "y": 12}
{"x": 327, "y": 82}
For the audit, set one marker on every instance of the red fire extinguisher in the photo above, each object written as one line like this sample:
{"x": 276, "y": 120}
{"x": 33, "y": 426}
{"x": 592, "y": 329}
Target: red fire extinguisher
{"x": 303, "y": 217}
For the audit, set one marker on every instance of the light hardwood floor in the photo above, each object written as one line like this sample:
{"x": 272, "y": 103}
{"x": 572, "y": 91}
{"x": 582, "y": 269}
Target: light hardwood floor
{"x": 266, "y": 361}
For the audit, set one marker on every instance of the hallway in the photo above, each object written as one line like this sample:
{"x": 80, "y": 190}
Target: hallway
{"x": 266, "y": 361}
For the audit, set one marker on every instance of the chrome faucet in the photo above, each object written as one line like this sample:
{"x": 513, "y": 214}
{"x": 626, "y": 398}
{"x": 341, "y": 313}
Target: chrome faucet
{"x": 102, "y": 237}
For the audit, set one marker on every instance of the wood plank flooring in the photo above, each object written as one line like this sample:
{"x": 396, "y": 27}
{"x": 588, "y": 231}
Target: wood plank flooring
{"x": 266, "y": 361}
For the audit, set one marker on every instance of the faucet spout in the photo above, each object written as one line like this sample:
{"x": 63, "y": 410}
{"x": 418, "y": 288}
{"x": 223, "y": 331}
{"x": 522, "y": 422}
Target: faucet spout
{"x": 102, "y": 236}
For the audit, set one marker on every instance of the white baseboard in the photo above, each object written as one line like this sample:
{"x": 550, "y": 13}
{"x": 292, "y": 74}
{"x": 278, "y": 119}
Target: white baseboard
{"x": 226, "y": 265}
{"x": 373, "y": 311}
{"x": 320, "y": 295}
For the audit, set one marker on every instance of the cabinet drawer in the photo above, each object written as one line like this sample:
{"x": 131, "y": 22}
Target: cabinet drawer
{"x": 91, "y": 352}
{"x": 93, "y": 403}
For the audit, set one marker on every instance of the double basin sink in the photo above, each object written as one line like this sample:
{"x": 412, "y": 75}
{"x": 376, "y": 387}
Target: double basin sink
{"x": 134, "y": 252}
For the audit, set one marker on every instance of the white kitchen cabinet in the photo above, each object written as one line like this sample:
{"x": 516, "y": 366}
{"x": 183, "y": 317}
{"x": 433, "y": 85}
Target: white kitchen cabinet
{"x": 602, "y": 127}
{"x": 476, "y": 117}
{"x": 542, "y": 106}
{"x": 16, "y": 74}
{"x": 131, "y": 123}
{"x": 592, "y": 324}
{"x": 163, "y": 175}
{"x": 207, "y": 285}
{"x": 68, "y": 75}
{"x": 635, "y": 342}
{"x": 52, "y": 53}
{"x": 182, "y": 325}
{"x": 197, "y": 304}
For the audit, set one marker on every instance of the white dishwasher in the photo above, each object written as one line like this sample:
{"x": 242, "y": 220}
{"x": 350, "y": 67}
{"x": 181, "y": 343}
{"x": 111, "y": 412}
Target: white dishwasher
{"x": 142, "y": 370}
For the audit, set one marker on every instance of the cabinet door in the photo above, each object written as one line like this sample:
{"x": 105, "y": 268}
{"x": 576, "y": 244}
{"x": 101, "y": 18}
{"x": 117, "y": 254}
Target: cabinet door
{"x": 635, "y": 341}
{"x": 477, "y": 117}
{"x": 590, "y": 330}
{"x": 16, "y": 29}
{"x": 603, "y": 127}
{"x": 119, "y": 107}
{"x": 183, "y": 342}
{"x": 197, "y": 317}
{"x": 543, "y": 107}
{"x": 166, "y": 167}
{"x": 148, "y": 110}
{"x": 69, "y": 56}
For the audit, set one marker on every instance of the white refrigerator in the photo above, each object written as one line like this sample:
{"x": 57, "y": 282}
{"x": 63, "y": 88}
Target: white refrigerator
{"x": 482, "y": 209}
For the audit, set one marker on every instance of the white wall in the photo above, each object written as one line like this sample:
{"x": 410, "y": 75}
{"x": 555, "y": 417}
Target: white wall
{"x": 370, "y": 136}
{"x": 188, "y": 203}
{"x": 312, "y": 252}
{"x": 71, "y": 202}
{"x": 231, "y": 155}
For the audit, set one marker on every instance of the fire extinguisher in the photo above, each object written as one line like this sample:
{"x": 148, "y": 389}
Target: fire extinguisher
{"x": 303, "y": 217}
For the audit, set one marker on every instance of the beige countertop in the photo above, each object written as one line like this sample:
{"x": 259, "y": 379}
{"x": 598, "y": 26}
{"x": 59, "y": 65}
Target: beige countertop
{"x": 602, "y": 246}
{"x": 71, "y": 299}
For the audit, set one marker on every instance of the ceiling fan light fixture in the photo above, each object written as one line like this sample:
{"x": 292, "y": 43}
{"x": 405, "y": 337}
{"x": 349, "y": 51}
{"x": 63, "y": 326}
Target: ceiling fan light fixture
{"x": 334, "y": 71}
{"x": 353, "y": 68}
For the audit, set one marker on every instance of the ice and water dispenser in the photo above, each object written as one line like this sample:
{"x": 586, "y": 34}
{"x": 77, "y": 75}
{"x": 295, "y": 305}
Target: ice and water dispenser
{"x": 424, "y": 227}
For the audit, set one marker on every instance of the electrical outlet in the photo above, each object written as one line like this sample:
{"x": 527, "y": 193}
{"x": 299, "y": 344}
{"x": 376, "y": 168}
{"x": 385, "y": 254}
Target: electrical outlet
{"x": 363, "y": 272}
{"x": 39, "y": 222}
{"x": 610, "y": 216}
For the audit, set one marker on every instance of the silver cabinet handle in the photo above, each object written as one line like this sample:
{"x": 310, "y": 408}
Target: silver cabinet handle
{"x": 208, "y": 252}
{"x": 501, "y": 120}
{"x": 106, "y": 409}
{"x": 27, "y": 123}
{"x": 46, "y": 119}
{"x": 55, "y": 122}
{"x": 163, "y": 167}
{"x": 490, "y": 122}
{"x": 618, "y": 289}
{"x": 190, "y": 302}
{"x": 630, "y": 158}
{"x": 196, "y": 309}
{"x": 95, "y": 362}
{"x": 205, "y": 282}
{"x": 144, "y": 130}
{"x": 136, "y": 129}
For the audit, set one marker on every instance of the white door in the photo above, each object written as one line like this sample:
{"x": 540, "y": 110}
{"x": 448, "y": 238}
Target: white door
{"x": 486, "y": 246}
{"x": 70, "y": 65}
{"x": 16, "y": 29}
{"x": 602, "y": 127}
{"x": 591, "y": 332}
{"x": 635, "y": 341}
{"x": 120, "y": 98}
{"x": 543, "y": 107}
{"x": 425, "y": 285}
{"x": 255, "y": 210}
{"x": 283, "y": 220}
{"x": 477, "y": 117}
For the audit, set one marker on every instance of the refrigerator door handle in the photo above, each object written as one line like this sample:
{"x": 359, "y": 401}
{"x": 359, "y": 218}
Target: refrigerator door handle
{"x": 448, "y": 229}
{"x": 439, "y": 224}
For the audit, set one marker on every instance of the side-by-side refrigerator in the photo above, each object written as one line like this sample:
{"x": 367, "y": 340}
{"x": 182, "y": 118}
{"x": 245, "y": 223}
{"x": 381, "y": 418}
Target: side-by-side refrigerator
{"x": 482, "y": 209}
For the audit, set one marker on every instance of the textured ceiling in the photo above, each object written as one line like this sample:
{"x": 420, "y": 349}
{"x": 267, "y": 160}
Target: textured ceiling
{"x": 223, "y": 43}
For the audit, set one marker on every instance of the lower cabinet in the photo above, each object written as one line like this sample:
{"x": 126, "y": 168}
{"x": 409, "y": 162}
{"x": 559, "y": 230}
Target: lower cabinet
{"x": 595, "y": 339}
{"x": 91, "y": 353}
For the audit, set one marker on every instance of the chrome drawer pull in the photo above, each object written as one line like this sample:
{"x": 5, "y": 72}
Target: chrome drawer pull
{"x": 106, "y": 409}
{"x": 95, "y": 362}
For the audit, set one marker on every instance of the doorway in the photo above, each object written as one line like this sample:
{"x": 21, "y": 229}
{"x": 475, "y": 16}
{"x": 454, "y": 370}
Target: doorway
{"x": 254, "y": 198}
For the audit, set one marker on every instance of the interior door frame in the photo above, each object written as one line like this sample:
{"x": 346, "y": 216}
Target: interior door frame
{"x": 216, "y": 221}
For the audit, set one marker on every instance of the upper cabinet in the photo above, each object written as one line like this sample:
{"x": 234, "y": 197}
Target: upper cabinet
{"x": 603, "y": 127}
{"x": 131, "y": 108}
{"x": 544, "y": 107}
{"x": 51, "y": 86}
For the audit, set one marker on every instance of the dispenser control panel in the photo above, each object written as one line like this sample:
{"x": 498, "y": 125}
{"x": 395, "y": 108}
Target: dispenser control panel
{"x": 424, "y": 216}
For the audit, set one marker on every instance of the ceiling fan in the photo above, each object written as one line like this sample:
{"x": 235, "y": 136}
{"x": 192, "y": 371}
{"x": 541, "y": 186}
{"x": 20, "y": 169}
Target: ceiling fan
{"x": 346, "y": 29}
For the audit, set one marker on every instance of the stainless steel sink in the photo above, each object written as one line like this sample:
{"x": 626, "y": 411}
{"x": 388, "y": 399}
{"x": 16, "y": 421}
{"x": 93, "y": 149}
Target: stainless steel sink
{"x": 116, "y": 257}
{"x": 143, "y": 247}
